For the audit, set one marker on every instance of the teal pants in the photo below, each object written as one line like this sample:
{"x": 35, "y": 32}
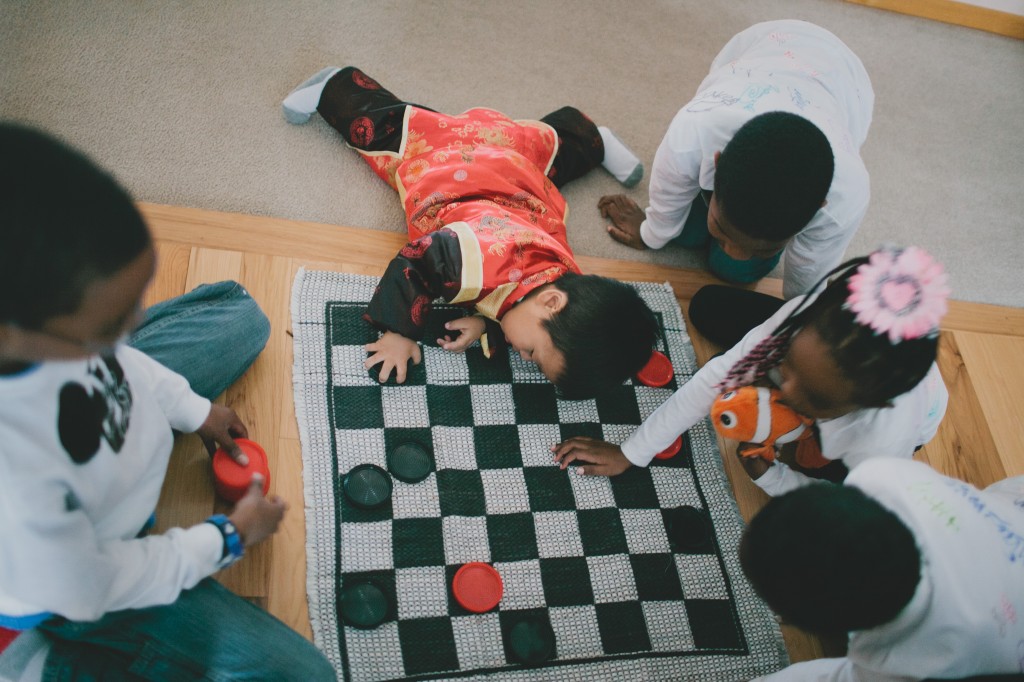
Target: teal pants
{"x": 696, "y": 236}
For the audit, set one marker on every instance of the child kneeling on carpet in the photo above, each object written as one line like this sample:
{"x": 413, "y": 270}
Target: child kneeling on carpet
{"x": 487, "y": 231}
{"x": 923, "y": 572}
{"x": 86, "y": 433}
{"x": 858, "y": 357}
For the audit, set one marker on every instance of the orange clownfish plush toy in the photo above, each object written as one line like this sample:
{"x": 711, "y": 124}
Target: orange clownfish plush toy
{"x": 754, "y": 415}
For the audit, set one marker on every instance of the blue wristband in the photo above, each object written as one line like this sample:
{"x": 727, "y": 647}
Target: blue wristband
{"x": 233, "y": 549}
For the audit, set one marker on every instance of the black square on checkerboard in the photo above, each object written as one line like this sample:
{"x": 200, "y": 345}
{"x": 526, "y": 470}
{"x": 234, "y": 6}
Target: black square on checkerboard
{"x": 461, "y": 492}
{"x": 573, "y": 429}
{"x": 512, "y": 537}
{"x": 428, "y": 645}
{"x": 394, "y": 437}
{"x": 417, "y": 542}
{"x": 493, "y": 370}
{"x": 348, "y": 328}
{"x": 549, "y": 488}
{"x": 382, "y": 580}
{"x": 714, "y": 624}
{"x": 358, "y": 407}
{"x": 601, "y": 531}
{"x": 509, "y": 619}
{"x": 449, "y": 405}
{"x": 434, "y": 327}
{"x": 618, "y": 406}
{"x": 622, "y": 627}
{"x": 566, "y": 581}
{"x": 634, "y": 489}
{"x": 535, "y": 403}
{"x": 656, "y": 577}
{"x": 497, "y": 446}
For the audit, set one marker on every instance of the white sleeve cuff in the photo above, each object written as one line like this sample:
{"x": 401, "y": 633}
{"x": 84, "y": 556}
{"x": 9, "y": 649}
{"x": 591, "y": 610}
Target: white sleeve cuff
{"x": 649, "y": 238}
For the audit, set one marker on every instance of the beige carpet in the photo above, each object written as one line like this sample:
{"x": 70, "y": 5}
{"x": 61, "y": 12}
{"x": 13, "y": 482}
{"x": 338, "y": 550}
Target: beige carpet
{"x": 181, "y": 100}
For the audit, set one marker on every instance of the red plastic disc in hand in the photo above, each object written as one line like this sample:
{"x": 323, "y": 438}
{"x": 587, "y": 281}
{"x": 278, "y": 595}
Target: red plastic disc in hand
{"x": 672, "y": 450}
{"x": 657, "y": 372}
{"x": 477, "y": 587}
{"x": 231, "y": 478}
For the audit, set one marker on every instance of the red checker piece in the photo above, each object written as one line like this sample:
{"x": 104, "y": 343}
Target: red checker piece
{"x": 477, "y": 587}
{"x": 231, "y": 478}
{"x": 672, "y": 450}
{"x": 658, "y": 370}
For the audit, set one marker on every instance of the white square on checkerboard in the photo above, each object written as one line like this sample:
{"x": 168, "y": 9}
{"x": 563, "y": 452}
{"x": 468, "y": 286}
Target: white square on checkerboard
{"x": 577, "y": 411}
{"x": 374, "y": 654}
{"x": 523, "y": 586}
{"x": 465, "y": 539}
{"x": 577, "y": 634}
{"x": 611, "y": 576}
{"x": 645, "y": 531}
{"x": 558, "y": 534}
{"x": 359, "y": 446}
{"x": 668, "y": 626}
{"x": 701, "y": 576}
{"x": 675, "y": 487}
{"x": 453, "y": 447}
{"x": 505, "y": 491}
{"x": 405, "y": 406}
{"x": 445, "y": 367}
{"x": 478, "y": 641}
{"x": 347, "y": 367}
{"x": 524, "y": 372}
{"x": 366, "y": 546}
{"x": 416, "y": 500}
{"x": 591, "y": 492}
{"x": 535, "y": 441}
{"x": 617, "y": 433}
{"x": 422, "y": 592}
{"x": 648, "y": 399}
{"x": 493, "y": 404}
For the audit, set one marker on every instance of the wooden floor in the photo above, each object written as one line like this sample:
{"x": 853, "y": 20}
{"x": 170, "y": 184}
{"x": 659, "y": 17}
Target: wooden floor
{"x": 981, "y": 356}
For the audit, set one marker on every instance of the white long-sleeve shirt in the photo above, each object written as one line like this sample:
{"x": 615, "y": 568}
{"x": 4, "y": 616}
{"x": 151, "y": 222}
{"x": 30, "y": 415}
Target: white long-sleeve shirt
{"x": 853, "y": 438}
{"x": 790, "y": 66}
{"x": 967, "y": 615}
{"x": 84, "y": 447}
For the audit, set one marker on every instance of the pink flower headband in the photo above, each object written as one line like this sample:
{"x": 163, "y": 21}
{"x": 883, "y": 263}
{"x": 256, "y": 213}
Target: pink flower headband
{"x": 899, "y": 292}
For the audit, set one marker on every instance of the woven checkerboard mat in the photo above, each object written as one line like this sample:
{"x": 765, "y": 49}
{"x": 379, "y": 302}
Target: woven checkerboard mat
{"x": 588, "y": 555}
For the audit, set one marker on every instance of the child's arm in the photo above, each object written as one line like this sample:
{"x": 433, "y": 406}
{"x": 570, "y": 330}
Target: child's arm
{"x": 425, "y": 269}
{"x": 830, "y": 670}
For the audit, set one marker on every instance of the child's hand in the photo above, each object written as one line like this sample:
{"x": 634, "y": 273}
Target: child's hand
{"x": 393, "y": 352}
{"x": 470, "y": 328}
{"x": 754, "y": 466}
{"x": 221, "y": 427}
{"x": 603, "y": 458}
{"x": 626, "y": 216}
{"x": 257, "y": 517}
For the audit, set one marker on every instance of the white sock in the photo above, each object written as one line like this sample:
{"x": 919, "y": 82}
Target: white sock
{"x": 301, "y": 102}
{"x": 619, "y": 160}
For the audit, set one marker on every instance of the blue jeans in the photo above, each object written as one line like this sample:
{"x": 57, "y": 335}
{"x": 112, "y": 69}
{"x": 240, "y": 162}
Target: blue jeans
{"x": 207, "y": 634}
{"x": 210, "y": 335}
{"x": 695, "y": 235}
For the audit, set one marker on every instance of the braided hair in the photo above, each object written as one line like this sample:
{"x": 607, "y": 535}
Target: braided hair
{"x": 881, "y": 369}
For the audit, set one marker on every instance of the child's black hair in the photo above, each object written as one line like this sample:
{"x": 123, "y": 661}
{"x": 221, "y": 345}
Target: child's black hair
{"x": 605, "y": 331}
{"x": 829, "y": 559}
{"x": 65, "y": 222}
{"x": 773, "y": 175}
{"x": 879, "y": 369}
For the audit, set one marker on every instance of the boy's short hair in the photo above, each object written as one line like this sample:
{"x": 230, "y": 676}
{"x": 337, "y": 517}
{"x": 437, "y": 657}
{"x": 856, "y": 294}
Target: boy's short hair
{"x": 65, "y": 222}
{"x": 773, "y": 175}
{"x": 605, "y": 331}
{"x": 830, "y": 559}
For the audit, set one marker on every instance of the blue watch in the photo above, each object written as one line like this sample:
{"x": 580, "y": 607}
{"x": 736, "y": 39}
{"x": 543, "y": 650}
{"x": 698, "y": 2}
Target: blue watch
{"x": 233, "y": 549}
